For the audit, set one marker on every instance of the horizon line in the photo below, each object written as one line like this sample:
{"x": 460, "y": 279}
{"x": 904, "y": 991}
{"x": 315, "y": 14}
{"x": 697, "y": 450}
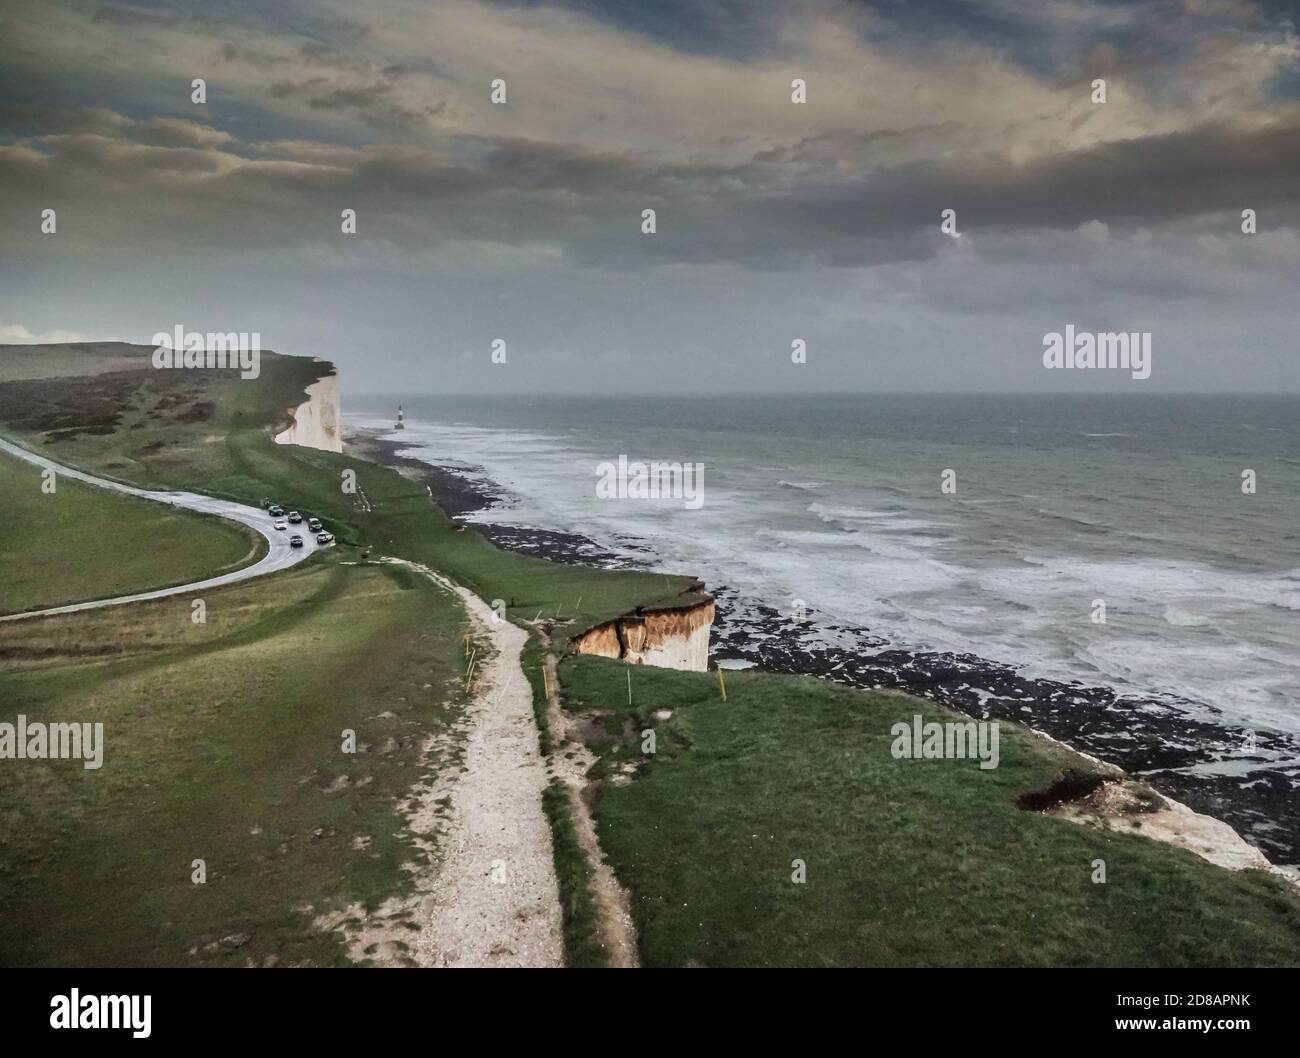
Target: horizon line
{"x": 835, "y": 394}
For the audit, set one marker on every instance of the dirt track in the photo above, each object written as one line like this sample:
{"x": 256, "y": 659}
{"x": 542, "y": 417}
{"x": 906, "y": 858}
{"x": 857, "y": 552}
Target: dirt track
{"x": 492, "y": 899}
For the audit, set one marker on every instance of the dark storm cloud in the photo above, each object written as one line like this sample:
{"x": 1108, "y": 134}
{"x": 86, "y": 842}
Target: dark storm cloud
{"x": 589, "y": 202}
{"x": 1150, "y": 180}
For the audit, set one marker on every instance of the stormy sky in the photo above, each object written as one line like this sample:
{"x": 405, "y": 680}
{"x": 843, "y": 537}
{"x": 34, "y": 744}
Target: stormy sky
{"x": 776, "y": 220}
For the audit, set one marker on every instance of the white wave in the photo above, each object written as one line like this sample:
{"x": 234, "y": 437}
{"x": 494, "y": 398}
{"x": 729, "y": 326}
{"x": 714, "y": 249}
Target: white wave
{"x": 1182, "y": 619}
{"x": 851, "y": 513}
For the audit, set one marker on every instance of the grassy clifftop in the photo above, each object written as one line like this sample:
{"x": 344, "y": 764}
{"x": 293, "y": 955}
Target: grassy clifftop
{"x": 907, "y": 862}
{"x": 223, "y": 742}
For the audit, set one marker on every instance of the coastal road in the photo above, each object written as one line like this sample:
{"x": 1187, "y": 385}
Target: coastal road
{"x": 279, "y": 554}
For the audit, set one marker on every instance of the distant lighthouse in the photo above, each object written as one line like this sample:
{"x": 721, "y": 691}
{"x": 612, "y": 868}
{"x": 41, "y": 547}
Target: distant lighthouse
{"x": 400, "y": 424}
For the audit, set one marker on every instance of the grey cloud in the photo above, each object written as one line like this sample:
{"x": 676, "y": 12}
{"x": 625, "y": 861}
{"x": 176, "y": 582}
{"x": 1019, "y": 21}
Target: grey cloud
{"x": 757, "y": 214}
{"x": 135, "y": 15}
{"x": 179, "y": 132}
{"x": 22, "y": 120}
{"x": 377, "y": 101}
{"x": 1151, "y": 180}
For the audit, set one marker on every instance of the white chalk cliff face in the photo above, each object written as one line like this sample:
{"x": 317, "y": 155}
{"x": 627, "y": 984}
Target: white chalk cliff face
{"x": 689, "y": 651}
{"x": 671, "y": 639}
{"x": 317, "y": 421}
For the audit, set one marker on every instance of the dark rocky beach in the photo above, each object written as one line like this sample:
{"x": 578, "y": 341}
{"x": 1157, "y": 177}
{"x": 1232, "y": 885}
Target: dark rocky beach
{"x": 1248, "y": 778}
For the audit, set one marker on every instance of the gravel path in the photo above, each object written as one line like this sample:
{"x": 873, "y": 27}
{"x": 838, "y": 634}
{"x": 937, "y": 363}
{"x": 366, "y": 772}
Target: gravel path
{"x": 495, "y": 900}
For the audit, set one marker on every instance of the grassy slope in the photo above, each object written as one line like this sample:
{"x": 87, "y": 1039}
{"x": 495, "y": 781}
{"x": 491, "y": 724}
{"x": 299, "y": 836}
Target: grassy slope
{"x": 81, "y": 543}
{"x": 908, "y": 862}
{"x": 212, "y": 732}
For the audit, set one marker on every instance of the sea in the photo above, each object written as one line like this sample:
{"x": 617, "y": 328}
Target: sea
{"x": 1149, "y": 545}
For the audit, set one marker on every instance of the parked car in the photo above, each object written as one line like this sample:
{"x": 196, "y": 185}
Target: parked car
{"x": 295, "y": 517}
{"x": 281, "y": 524}
{"x": 324, "y": 538}
{"x": 295, "y": 540}
{"x": 314, "y": 525}
{"x": 275, "y": 511}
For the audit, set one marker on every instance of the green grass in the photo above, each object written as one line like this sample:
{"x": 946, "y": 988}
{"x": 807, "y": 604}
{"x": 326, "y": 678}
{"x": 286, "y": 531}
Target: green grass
{"x": 79, "y": 542}
{"x": 222, "y": 742}
{"x": 582, "y": 946}
{"x": 531, "y": 659}
{"x": 579, "y": 916}
{"x": 909, "y": 862}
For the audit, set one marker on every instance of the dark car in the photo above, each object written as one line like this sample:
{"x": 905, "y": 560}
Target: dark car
{"x": 295, "y": 517}
{"x": 295, "y": 540}
{"x": 314, "y": 525}
{"x": 275, "y": 511}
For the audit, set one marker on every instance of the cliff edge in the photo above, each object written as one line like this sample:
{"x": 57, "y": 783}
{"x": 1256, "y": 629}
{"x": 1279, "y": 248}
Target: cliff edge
{"x": 317, "y": 421}
{"x": 671, "y": 638}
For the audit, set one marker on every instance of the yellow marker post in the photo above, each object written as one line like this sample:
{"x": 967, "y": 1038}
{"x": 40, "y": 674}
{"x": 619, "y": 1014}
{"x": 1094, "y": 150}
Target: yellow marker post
{"x": 722, "y": 683}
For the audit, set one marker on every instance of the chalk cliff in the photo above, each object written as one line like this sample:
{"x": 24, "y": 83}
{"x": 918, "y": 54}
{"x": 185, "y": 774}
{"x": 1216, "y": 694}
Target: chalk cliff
{"x": 676, "y": 638}
{"x": 317, "y": 421}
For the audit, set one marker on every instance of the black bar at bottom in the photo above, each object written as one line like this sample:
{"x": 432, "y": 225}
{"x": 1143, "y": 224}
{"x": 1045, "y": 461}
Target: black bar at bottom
{"x": 433, "y": 1009}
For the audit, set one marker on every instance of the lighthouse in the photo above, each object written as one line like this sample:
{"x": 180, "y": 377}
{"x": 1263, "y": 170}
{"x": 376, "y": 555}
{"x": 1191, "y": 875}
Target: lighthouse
{"x": 400, "y": 424}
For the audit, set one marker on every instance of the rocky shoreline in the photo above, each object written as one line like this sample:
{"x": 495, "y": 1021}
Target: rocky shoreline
{"x": 1249, "y": 779}
{"x": 458, "y": 495}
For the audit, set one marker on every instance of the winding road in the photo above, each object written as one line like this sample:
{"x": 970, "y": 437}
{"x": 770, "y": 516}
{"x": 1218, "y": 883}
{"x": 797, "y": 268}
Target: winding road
{"x": 279, "y": 554}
